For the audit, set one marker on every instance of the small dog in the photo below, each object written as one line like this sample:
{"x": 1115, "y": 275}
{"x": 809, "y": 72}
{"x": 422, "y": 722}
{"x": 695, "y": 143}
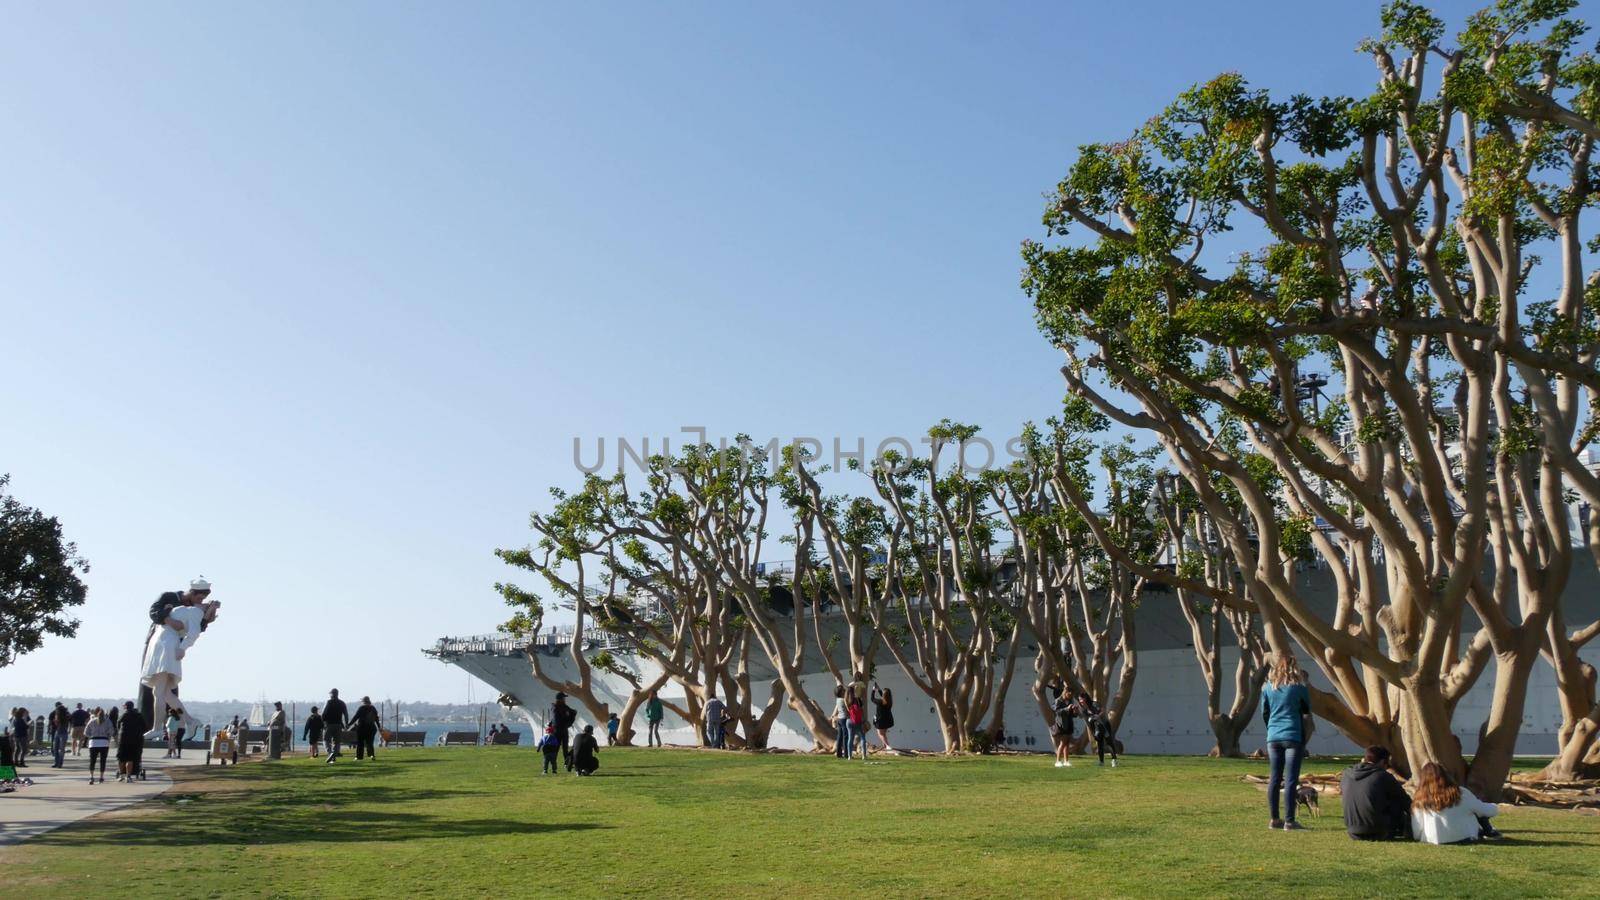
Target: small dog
{"x": 1307, "y": 796}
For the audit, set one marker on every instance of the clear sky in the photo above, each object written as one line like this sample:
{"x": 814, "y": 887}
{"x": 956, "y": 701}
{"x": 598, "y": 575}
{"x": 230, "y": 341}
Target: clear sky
{"x": 313, "y": 299}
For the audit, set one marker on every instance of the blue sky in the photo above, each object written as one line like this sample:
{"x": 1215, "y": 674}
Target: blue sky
{"x": 313, "y": 299}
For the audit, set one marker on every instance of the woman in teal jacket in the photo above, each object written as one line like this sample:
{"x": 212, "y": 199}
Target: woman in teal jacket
{"x": 1285, "y": 707}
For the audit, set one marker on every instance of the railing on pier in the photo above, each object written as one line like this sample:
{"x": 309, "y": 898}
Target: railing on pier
{"x": 552, "y": 640}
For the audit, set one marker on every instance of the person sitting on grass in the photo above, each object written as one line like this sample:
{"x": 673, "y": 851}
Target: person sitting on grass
{"x": 550, "y": 746}
{"x": 1376, "y": 807}
{"x": 586, "y": 752}
{"x": 1443, "y": 812}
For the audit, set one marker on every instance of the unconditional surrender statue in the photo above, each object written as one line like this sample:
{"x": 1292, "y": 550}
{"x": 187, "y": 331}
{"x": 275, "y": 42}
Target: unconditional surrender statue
{"x": 176, "y": 621}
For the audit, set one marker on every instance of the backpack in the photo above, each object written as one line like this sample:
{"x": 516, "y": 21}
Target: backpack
{"x": 854, "y": 713}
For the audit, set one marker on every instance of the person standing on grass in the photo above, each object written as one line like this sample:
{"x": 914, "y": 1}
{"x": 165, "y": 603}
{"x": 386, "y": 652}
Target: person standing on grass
{"x": 1443, "y": 812}
{"x": 882, "y": 713}
{"x": 79, "y": 719}
{"x": 856, "y": 721}
{"x": 858, "y": 691}
{"x": 1099, "y": 725}
{"x": 563, "y": 717}
{"x": 335, "y": 715}
{"x": 1286, "y": 709}
{"x": 1376, "y": 807}
{"x": 97, "y": 733}
{"x": 586, "y": 752}
{"x": 312, "y": 733}
{"x": 366, "y": 724}
{"x": 549, "y": 748}
{"x": 716, "y": 710}
{"x": 1064, "y": 712}
{"x": 130, "y": 743}
{"x": 277, "y": 731}
{"x": 841, "y": 724}
{"x": 654, "y": 712}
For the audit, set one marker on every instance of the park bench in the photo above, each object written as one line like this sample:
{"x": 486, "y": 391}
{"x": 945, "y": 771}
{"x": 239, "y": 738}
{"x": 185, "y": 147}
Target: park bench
{"x": 407, "y": 738}
{"x": 252, "y": 737}
{"x": 460, "y": 739}
{"x": 508, "y": 738}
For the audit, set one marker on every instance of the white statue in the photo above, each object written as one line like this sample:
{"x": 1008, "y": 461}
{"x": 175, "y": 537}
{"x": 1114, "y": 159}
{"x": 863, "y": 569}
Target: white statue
{"x": 165, "y": 649}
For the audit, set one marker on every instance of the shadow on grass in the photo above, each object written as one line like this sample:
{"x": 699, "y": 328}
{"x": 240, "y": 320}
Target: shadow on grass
{"x": 355, "y": 793}
{"x": 302, "y": 826}
{"x": 1511, "y": 841}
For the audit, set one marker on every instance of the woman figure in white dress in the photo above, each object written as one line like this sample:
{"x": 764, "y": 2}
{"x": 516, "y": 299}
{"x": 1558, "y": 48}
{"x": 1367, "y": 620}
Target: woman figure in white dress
{"x": 163, "y": 657}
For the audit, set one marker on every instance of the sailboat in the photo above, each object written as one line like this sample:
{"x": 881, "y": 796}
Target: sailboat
{"x": 260, "y": 713}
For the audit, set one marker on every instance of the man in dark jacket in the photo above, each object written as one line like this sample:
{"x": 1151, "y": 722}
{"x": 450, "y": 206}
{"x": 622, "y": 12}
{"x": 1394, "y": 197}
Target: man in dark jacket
{"x": 335, "y": 716}
{"x": 562, "y": 717}
{"x": 1376, "y": 807}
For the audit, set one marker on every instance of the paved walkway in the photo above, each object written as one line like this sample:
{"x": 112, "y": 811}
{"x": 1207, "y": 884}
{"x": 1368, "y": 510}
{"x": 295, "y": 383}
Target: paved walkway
{"x": 61, "y": 796}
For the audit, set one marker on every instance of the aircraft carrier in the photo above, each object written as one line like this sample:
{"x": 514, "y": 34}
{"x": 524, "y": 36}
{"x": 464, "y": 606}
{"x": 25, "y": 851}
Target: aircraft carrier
{"x": 1167, "y": 712}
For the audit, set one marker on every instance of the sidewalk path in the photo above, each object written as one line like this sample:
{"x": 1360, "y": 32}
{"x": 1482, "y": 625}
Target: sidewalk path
{"x": 61, "y": 796}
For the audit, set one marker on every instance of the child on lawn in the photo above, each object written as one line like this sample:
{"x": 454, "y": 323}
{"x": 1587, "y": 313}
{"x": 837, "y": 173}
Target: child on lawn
{"x": 550, "y": 746}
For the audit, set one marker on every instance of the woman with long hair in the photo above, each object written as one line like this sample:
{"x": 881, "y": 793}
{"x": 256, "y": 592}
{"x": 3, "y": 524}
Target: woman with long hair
{"x": 841, "y": 724}
{"x": 1286, "y": 708}
{"x": 883, "y": 714}
{"x": 98, "y": 733}
{"x": 1443, "y": 812}
{"x": 1063, "y": 711}
{"x": 21, "y": 724}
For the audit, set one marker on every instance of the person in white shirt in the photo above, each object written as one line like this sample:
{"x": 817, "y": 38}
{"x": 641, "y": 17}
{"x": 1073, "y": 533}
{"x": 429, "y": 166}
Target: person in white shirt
{"x": 1443, "y": 812}
{"x": 98, "y": 733}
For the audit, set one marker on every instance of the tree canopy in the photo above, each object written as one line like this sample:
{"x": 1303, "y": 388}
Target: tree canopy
{"x": 39, "y": 578}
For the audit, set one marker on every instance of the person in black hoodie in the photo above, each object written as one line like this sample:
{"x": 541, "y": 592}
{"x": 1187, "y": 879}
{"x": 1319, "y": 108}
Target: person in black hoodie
{"x": 313, "y": 731}
{"x": 365, "y": 722}
{"x": 563, "y": 717}
{"x": 586, "y": 752}
{"x": 130, "y": 743}
{"x": 335, "y": 715}
{"x": 1376, "y": 807}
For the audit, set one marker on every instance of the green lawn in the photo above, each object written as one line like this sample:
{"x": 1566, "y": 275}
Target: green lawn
{"x": 690, "y": 823}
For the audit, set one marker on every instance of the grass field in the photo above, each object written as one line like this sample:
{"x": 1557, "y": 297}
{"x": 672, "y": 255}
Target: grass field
{"x": 691, "y": 823}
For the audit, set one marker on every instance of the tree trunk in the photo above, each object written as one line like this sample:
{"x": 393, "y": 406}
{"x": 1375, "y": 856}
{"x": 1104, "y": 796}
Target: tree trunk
{"x": 1227, "y": 734}
{"x": 1496, "y": 749}
{"x": 639, "y": 695}
{"x": 1425, "y": 728}
{"x": 1579, "y": 754}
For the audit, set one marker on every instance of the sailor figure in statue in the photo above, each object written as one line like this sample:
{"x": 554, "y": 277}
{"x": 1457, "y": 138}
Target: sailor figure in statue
{"x": 176, "y": 623}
